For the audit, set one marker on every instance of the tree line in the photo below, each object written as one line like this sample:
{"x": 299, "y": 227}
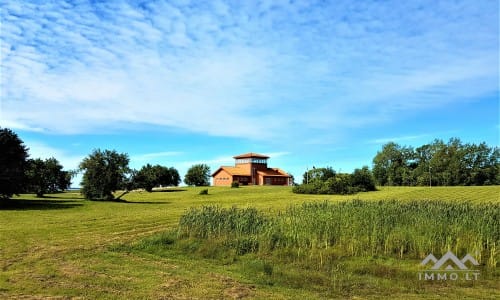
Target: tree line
{"x": 434, "y": 164}
{"x": 104, "y": 172}
{"x": 107, "y": 171}
{"x": 437, "y": 164}
{"x": 327, "y": 181}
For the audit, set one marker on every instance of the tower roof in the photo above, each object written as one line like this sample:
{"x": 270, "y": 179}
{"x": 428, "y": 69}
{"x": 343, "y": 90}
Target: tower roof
{"x": 250, "y": 155}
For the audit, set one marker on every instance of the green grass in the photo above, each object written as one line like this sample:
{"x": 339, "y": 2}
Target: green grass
{"x": 66, "y": 246}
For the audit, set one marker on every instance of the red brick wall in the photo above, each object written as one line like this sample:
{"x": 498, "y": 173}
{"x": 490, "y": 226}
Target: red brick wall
{"x": 222, "y": 179}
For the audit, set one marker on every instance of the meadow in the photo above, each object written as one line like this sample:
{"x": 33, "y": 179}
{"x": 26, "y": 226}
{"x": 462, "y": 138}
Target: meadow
{"x": 270, "y": 244}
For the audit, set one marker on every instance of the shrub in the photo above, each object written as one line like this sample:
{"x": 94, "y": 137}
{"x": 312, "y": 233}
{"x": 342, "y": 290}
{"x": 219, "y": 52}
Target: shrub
{"x": 203, "y": 192}
{"x": 235, "y": 184}
{"x": 342, "y": 184}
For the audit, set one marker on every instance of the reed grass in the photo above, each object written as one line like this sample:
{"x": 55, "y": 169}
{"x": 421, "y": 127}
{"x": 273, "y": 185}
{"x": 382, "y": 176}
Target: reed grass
{"x": 318, "y": 232}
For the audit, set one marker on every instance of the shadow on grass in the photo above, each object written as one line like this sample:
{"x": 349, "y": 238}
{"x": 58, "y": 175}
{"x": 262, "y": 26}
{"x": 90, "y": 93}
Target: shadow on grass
{"x": 135, "y": 202}
{"x": 31, "y": 204}
{"x": 52, "y": 196}
{"x": 169, "y": 190}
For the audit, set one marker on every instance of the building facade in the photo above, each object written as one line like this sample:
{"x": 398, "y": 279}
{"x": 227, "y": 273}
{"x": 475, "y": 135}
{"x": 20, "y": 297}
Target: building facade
{"x": 250, "y": 169}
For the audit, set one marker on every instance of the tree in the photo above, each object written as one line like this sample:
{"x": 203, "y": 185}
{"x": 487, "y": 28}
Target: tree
{"x": 13, "y": 156}
{"x": 482, "y": 166}
{"x": 318, "y": 174}
{"x": 326, "y": 181}
{"x": 168, "y": 176}
{"x": 390, "y": 165}
{"x": 423, "y": 156}
{"x": 150, "y": 176}
{"x": 145, "y": 178}
{"x": 105, "y": 172}
{"x": 363, "y": 179}
{"x": 46, "y": 176}
{"x": 438, "y": 163}
{"x": 198, "y": 175}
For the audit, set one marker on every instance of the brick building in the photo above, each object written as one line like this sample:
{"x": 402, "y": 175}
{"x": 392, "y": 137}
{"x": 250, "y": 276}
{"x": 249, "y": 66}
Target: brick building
{"x": 250, "y": 169}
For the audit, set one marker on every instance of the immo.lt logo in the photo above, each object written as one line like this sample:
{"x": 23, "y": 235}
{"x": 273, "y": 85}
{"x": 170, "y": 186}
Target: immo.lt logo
{"x": 449, "y": 267}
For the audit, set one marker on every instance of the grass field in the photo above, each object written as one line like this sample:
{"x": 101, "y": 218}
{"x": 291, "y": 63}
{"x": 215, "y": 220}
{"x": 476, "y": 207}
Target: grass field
{"x": 62, "y": 246}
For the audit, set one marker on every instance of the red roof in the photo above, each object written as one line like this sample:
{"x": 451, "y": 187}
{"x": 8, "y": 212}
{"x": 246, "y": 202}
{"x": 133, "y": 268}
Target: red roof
{"x": 232, "y": 171}
{"x": 235, "y": 171}
{"x": 273, "y": 172}
{"x": 250, "y": 155}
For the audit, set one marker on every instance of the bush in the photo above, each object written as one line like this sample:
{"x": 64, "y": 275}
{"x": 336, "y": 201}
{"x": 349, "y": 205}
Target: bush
{"x": 305, "y": 189}
{"x": 203, "y": 192}
{"x": 342, "y": 184}
{"x": 235, "y": 184}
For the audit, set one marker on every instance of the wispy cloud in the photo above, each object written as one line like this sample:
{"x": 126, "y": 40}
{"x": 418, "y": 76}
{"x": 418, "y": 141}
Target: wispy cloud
{"x": 263, "y": 70}
{"x": 276, "y": 154}
{"x": 399, "y": 139}
{"x": 41, "y": 150}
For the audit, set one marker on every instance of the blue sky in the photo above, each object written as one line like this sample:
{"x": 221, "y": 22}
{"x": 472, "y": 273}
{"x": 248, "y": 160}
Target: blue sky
{"x": 323, "y": 83}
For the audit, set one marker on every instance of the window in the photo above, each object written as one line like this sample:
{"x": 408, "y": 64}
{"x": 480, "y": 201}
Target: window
{"x": 259, "y": 160}
{"x": 243, "y": 161}
{"x": 253, "y": 160}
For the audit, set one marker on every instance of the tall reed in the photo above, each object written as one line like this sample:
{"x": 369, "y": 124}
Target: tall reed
{"x": 316, "y": 231}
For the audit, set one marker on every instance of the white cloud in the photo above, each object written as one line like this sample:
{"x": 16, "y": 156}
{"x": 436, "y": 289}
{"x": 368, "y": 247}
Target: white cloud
{"x": 43, "y": 151}
{"x": 20, "y": 126}
{"x": 276, "y": 154}
{"x": 399, "y": 139}
{"x": 263, "y": 71}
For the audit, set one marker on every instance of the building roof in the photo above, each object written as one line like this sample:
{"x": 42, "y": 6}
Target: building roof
{"x": 232, "y": 171}
{"x": 236, "y": 171}
{"x": 273, "y": 172}
{"x": 250, "y": 155}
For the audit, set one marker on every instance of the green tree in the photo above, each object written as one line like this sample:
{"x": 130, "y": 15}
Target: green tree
{"x": 145, "y": 178}
{"x": 168, "y": 176}
{"x": 104, "y": 173}
{"x": 363, "y": 179}
{"x": 13, "y": 156}
{"x": 438, "y": 163}
{"x": 389, "y": 165}
{"x": 326, "y": 181}
{"x": 198, "y": 175}
{"x": 481, "y": 165}
{"x": 46, "y": 176}
{"x": 318, "y": 174}
{"x": 150, "y": 176}
{"x": 423, "y": 156}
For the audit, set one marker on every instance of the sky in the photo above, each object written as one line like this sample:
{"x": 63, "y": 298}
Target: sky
{"x": 309, "y": 83}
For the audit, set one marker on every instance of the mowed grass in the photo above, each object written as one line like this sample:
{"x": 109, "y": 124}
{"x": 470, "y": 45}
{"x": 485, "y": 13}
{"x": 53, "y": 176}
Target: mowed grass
{"x": 63, "y": 245}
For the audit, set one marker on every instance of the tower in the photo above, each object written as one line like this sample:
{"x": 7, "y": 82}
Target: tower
{"x": 252, "y": 163}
